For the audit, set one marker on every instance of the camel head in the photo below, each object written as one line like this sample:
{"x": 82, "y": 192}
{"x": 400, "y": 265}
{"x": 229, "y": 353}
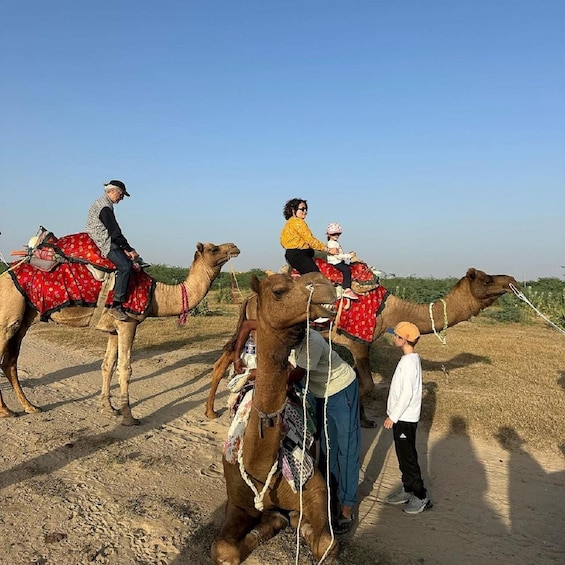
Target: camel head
{"x": 215, "y": 256}
{"x": 284, "y": 301}
{"x": 487, "y": 288}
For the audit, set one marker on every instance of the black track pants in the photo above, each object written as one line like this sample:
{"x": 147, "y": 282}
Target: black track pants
{"x": 404, "y": 434}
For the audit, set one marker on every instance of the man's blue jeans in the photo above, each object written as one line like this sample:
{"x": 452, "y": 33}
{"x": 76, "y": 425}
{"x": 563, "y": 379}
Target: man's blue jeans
{"x": 123, "y": 269}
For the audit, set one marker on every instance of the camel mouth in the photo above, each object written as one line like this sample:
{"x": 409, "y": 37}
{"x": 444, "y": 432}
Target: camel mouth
{"x": 330, "y": 310}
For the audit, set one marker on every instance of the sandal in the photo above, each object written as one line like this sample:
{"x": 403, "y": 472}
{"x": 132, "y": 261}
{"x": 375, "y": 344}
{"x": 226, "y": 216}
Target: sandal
{"x": 343, "y": 525}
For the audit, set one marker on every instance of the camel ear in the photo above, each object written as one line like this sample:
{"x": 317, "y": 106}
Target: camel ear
{"x": 254, "y": 283}
{"x": 199, "y": 249}
{"x": 471, "y": 273}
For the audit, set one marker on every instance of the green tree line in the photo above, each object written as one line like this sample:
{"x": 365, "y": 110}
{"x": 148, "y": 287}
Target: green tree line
{"x": 546, "y": 294}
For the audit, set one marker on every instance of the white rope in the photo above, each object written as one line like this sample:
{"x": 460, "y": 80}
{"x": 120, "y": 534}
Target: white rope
{"x": 258, "y": 500}
{"x": 13, "y": 266}
{"x": 304, "y": 408}
{"x": 442, "y": 336}
{"x": 328, "y": 487}
{"x": 522, "y": 297}
{"x": 3, "y": 260}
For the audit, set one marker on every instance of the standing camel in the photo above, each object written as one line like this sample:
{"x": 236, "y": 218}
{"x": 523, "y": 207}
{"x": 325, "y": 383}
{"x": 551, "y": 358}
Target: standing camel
{"x": 283, "y": 306}
{"x": 16, "y": 317}
{"x": 474, "y": 292}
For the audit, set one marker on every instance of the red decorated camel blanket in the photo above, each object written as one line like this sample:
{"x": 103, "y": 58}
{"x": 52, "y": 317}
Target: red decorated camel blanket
{"x": 358, "y": 321}
{"x": 70, "y": 282}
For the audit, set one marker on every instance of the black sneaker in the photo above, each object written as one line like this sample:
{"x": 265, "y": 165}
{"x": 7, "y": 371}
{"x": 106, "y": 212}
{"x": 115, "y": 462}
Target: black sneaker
{"x": 118, "y": 313}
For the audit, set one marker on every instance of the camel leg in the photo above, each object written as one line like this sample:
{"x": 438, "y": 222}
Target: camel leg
{"x": 11, "y": 371}
{"x": 237, "y": 525}
{"x": 5, "y": 412}
{"x": 241, "y": 534}
{"x": 220, "y": 368}
{"x": 315, "y": 530}
{"x": 126, "y": 336}
{"x": 272, "y": 522}
{"x": 14, "y": 334}
{"x": 108, "y": 368}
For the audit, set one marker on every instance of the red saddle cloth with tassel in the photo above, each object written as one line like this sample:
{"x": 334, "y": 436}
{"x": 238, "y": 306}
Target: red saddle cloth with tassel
{"x": 359, "y": 320}
{"x": 72, "y": 284}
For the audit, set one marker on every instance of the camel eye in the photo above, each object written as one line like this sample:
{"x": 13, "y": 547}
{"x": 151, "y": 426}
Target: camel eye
{"x": 278, "y": 293}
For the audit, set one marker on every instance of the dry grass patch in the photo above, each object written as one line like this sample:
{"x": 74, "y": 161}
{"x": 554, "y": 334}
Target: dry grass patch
{"x": 490, "y": 378}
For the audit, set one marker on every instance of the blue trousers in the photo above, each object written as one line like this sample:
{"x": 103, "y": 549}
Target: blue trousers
{"x": 123, "y": 269}
{"x": 344, "y": 432}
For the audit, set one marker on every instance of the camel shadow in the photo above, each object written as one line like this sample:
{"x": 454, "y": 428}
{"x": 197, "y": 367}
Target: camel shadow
{"x": 85, "y": 445}
{"x": 385, "y": 357}
{"x": 460, "y": 361}
{"x": 61, "y": 375}
{"x": 177, "y": 344}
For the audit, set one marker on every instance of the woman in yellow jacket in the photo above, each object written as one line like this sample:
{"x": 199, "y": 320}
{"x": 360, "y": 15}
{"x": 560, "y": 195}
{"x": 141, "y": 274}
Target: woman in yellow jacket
{"x": 298, "y": 240}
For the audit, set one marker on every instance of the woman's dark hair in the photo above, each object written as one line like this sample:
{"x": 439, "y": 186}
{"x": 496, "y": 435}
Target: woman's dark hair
{"x": 292, "y": 205}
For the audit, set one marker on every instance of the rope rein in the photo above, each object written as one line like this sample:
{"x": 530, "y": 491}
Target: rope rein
{"x": 442, "y": 335}
{"x": 13, "y": 266}
{"x": 304, "y": 409}
{"x": 326, "y": 397}
{"x": 522, "y": 297}
{"x": 259, "y": 495}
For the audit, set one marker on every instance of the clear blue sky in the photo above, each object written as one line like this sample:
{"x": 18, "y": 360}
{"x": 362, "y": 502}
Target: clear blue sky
{"x": 433, "y": 131}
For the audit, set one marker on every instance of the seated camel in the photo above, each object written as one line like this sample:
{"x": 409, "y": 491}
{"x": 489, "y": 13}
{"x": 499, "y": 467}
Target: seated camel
{"x": 474, "y": 292}
{"x": 283, "y": 307}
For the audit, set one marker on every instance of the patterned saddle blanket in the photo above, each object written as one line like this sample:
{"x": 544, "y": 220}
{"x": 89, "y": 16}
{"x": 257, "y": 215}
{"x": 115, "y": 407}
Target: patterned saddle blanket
{"x": 295, "y": 463}
{"x": 70, "y": 282}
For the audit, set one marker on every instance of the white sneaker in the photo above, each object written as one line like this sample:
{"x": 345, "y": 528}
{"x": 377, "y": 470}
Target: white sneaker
{"x": 321, "y": 320}
{"x": 416, "y": 505}
{"x": 398, "y": 497}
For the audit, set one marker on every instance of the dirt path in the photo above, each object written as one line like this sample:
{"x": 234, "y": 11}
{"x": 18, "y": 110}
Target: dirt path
{"x": 76, "y": 487}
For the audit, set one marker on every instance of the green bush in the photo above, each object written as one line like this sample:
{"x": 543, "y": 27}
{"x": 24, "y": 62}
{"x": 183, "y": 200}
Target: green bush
{"x": 547, "y": 295}
{"x": 203, "y": 309}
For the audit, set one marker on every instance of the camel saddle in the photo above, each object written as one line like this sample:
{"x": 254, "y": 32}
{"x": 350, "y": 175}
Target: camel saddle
{"x": 69, "y": 281}
{"x": 358, "y": 321}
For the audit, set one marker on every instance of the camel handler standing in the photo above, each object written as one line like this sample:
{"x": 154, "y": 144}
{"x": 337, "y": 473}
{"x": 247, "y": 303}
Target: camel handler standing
{"x": 103, "y": 228}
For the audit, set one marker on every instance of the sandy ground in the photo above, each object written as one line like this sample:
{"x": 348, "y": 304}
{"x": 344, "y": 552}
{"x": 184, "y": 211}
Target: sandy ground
{"x": 76, "y": 487}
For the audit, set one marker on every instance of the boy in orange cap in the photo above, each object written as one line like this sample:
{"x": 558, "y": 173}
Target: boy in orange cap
{"x": 403, "y": 408}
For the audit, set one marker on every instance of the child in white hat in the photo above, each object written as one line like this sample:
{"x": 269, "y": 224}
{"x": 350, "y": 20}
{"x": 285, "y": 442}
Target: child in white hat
{"x": 340, "y": 260}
